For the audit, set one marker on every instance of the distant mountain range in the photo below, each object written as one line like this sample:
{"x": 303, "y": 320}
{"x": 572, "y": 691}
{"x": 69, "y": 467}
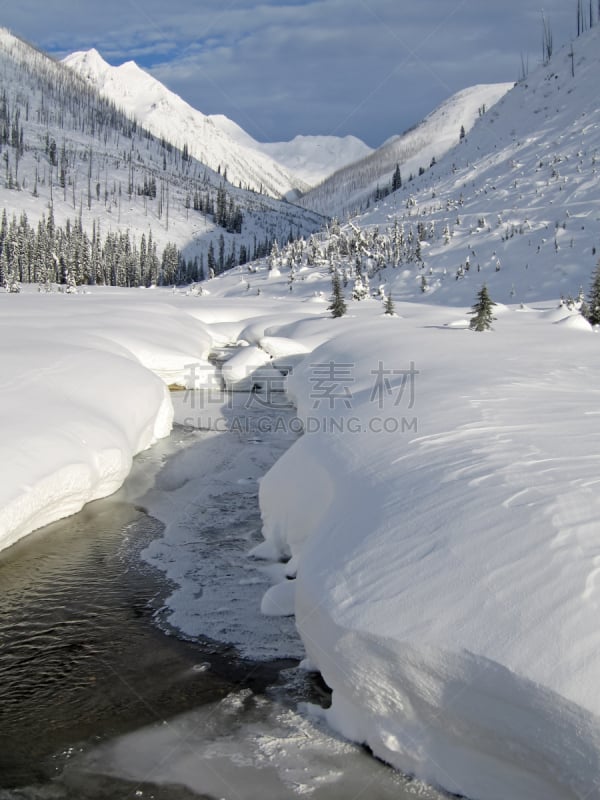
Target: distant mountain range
{"x": 332, "y": 175}
{"x": 280, "y": 169}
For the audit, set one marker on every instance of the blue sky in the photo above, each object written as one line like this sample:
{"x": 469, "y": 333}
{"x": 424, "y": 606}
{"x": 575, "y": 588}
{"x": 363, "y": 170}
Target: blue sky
{"x": 371, "y": 68}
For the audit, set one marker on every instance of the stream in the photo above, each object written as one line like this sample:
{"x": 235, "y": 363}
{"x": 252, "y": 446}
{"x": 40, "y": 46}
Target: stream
{"x": 134, "y": 660}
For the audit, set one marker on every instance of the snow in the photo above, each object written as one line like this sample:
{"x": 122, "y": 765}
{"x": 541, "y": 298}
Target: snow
{"x": 167, "y": 115}
{"x": 446, "y": 579}
{"x": 248, "y": 366}
{"x": 310, "y": 158}
{"x": 83, "y": 391}
{"x": 434, "y": 529}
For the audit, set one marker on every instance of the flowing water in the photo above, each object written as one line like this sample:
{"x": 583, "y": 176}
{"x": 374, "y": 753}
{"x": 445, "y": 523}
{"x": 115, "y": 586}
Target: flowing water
{"x": 99, "y": 696}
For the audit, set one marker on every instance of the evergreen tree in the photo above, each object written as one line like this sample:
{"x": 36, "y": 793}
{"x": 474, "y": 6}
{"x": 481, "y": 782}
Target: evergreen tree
{"x": 338, "y": 305}
{"x": 211, "y": 263}
{"x": 593, "y": 315}
{"x": 388, "y": 307}
{"x": 274, "y": 256}
{"x": 396, "y": 179}
{"x": 482, "y": 311}
{"x": 360, "y": 290}
{"x": 221, "y": 253}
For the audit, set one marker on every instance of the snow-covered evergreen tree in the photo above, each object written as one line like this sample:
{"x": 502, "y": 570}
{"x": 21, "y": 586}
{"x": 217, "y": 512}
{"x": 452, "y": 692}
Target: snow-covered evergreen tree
{"x": 482, "y": 311}
{"x": 361, "y": 289}
{"x": 389, "y": 308}
{"x": 338, "y": 305}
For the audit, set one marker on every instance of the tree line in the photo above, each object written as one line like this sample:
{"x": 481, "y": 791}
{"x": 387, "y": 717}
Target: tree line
{"x": 49, "y": 254}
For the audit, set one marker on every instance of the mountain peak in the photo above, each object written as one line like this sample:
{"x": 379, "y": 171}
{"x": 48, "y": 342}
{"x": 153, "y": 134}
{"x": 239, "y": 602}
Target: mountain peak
{"x": 88, "y": 63}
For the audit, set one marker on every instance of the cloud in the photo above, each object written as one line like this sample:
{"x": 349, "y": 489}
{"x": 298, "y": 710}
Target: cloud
{"x": 282, "y": 67}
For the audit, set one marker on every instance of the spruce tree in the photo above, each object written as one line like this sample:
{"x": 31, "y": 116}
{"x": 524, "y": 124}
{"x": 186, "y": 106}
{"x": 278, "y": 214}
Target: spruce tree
{"x": 593, "y": 315}
{"x": 482, "y": 311}
{"x": 338, "y": 304}
{"x": 388, "y": 307}
{"x": 396, "y": 179}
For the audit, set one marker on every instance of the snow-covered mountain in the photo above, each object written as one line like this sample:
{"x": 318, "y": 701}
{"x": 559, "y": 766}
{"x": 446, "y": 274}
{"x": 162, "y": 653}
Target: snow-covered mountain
{"x": 314, "y": 158}
{"x": 72, "y": 159}
{"x": 514, "y": 204}
{"x": 280, "y": 168}
{"x": 310, "y": 158}
{"x": 349, "y": 190}
{"x": 166, "y": 115}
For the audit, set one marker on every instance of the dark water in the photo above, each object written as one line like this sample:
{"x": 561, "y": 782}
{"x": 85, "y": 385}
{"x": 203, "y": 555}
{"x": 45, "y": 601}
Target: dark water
{"x": 80, "y": 659}
{"x": 97, "y": 702}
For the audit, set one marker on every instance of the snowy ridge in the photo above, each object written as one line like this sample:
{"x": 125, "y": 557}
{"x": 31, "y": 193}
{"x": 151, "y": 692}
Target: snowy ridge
{"x": 311, "y": 158}
{"x": 167, "y": 115}
{"x": 314, "y": 158}
{"x": 349, "y": 190}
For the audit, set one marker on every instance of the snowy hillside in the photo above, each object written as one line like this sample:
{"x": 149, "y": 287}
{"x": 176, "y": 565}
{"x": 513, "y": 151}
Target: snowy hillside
{"x": 166, "y": 115}
{"x": 83, "y": 184}
{"x": 351, "y": 189}
{"x": 514, "y": 205}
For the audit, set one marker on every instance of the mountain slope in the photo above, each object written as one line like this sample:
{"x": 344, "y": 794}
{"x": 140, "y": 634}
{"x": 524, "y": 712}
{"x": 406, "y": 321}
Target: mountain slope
{"x": 166, "y": 115}
{"x": 314, "y": 158}
{"x": 73, "y": 160}
{"x": 514, "y": 205}
{"x": 350, "y": 189}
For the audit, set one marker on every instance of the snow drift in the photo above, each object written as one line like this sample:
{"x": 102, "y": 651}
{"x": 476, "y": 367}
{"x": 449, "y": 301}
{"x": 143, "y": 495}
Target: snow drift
{"x": 83, "y": 390}
{"x": 442, "y": 528}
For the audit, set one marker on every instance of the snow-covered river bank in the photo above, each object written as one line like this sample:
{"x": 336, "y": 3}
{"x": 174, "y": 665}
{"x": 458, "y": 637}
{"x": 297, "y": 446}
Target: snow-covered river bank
{"x": 437, "y": 518}
{"x": 98, "y": 702}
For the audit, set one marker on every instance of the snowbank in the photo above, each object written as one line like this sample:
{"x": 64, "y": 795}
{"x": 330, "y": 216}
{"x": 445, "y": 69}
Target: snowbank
{"x": 248, "y": 368}
{"x": 83, "y": 390}
{"x": 442, "y": 521}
